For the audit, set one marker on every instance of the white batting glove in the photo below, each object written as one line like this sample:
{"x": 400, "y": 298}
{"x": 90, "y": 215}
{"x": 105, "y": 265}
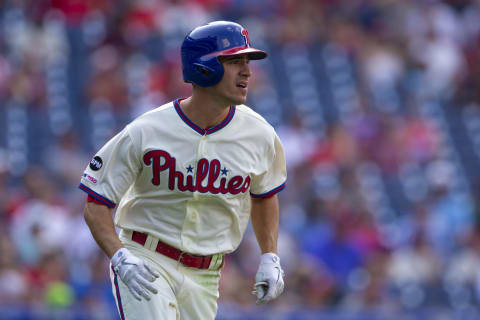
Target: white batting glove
{"x": 135, "y": 273}
{"x": 269, "y": 279}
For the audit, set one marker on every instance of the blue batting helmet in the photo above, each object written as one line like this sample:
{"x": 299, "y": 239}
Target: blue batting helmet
{"x": 203, "y": 45}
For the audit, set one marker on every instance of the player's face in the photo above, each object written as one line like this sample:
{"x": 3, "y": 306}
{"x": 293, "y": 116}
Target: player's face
{"x": 234, "y": 85}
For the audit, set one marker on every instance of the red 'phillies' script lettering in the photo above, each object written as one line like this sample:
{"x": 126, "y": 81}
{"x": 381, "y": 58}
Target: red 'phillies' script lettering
{"x": 213, "y": 173}
{"x": 206, "y": 172}
{"x": 154, "y": 158}
{"x": 202, "y": 171}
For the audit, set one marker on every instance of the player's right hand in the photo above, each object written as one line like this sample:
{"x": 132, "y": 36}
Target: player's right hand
{"x": 135, "y": 273}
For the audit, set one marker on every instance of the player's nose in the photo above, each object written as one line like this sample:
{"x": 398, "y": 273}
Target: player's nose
{"x": 245, "y": 70}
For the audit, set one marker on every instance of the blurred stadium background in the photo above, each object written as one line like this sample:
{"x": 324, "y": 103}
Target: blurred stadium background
{"x": 377, "y": 103}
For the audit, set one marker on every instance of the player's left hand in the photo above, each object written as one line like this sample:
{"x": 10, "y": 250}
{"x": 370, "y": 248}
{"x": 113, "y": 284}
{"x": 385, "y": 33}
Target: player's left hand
{"x": 269, "y": 279}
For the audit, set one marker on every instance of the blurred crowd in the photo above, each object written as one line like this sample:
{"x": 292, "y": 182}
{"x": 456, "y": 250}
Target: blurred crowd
{"x": 381, "y": 212}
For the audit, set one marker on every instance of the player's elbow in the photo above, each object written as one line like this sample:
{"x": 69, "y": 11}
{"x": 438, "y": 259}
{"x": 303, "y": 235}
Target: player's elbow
{"x": 87, "y": 214}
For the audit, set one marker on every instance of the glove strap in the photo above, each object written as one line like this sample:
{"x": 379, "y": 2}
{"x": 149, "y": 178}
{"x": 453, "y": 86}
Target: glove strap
{"x": 269, "y": 258}
{"x": 119, "y": 256}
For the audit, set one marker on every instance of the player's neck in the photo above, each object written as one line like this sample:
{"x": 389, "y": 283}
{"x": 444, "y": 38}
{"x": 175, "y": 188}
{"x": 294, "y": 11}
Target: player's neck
{"x": 204, "y": 112}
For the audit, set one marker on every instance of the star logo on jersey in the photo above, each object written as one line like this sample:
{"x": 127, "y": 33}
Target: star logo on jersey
{"x": 190, "y": 169}
{"x": 224, "y": 171}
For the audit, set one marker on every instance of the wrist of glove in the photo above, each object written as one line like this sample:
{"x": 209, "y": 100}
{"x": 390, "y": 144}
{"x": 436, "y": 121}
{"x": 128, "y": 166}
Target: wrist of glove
{"x": 135, "y": 273}
{"x": 269, "y": 278}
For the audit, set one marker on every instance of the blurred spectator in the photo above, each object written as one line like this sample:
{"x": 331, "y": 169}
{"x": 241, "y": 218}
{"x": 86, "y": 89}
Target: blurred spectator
{"x": 450, "y": 214}
{"x": 413, "y": 270}
{"x": 13, "y": 284}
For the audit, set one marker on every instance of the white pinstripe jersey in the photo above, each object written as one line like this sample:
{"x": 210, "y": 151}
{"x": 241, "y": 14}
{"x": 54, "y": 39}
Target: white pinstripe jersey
{"x": 188, "y": 186}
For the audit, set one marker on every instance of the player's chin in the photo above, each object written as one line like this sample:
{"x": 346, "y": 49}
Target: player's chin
{"x": 240, "y": 98}
{"x": 239, "y": 95}
{"x": 237, "y": 100}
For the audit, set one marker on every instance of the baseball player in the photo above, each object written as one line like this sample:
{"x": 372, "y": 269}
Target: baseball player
{"x": 185, "y": 178}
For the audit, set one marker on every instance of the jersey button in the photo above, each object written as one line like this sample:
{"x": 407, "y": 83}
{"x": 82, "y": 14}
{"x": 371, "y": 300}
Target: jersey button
{"x": 193, "y": 215}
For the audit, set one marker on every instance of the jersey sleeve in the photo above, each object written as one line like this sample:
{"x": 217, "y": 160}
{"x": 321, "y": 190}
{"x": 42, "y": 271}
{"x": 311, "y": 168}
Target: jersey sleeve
{"x": 273, "y": 179}
{"x": 112, "y": 170}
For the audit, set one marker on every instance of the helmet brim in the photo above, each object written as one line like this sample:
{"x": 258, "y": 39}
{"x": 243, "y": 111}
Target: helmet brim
{"x": 253, "y": 54}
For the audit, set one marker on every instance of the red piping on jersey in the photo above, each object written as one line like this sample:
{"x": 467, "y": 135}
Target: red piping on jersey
{"x": 195, "y": 127}
{"x": 270, "y": 193}
{"x": 119, "y": 300}
{"x": 92, "y": 199}
{"x": 97, "y": 196}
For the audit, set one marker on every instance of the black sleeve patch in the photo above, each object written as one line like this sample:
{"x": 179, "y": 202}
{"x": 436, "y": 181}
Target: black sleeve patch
{"x": 96, "y": 163}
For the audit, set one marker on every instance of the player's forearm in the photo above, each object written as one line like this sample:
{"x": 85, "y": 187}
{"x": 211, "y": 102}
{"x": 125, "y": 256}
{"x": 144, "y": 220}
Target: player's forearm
{"x": 99, "y": 220}
{"x": 264, "y": 217}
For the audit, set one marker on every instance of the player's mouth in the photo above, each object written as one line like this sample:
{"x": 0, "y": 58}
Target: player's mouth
{"x": 243, "y": 85}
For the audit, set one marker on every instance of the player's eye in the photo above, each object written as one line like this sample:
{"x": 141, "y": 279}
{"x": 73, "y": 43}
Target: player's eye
{"x": 241, "y": 61}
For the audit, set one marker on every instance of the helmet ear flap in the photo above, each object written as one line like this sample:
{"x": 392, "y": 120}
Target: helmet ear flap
{"x": 208, "y": 73}
{"x": 203, "y": 69}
